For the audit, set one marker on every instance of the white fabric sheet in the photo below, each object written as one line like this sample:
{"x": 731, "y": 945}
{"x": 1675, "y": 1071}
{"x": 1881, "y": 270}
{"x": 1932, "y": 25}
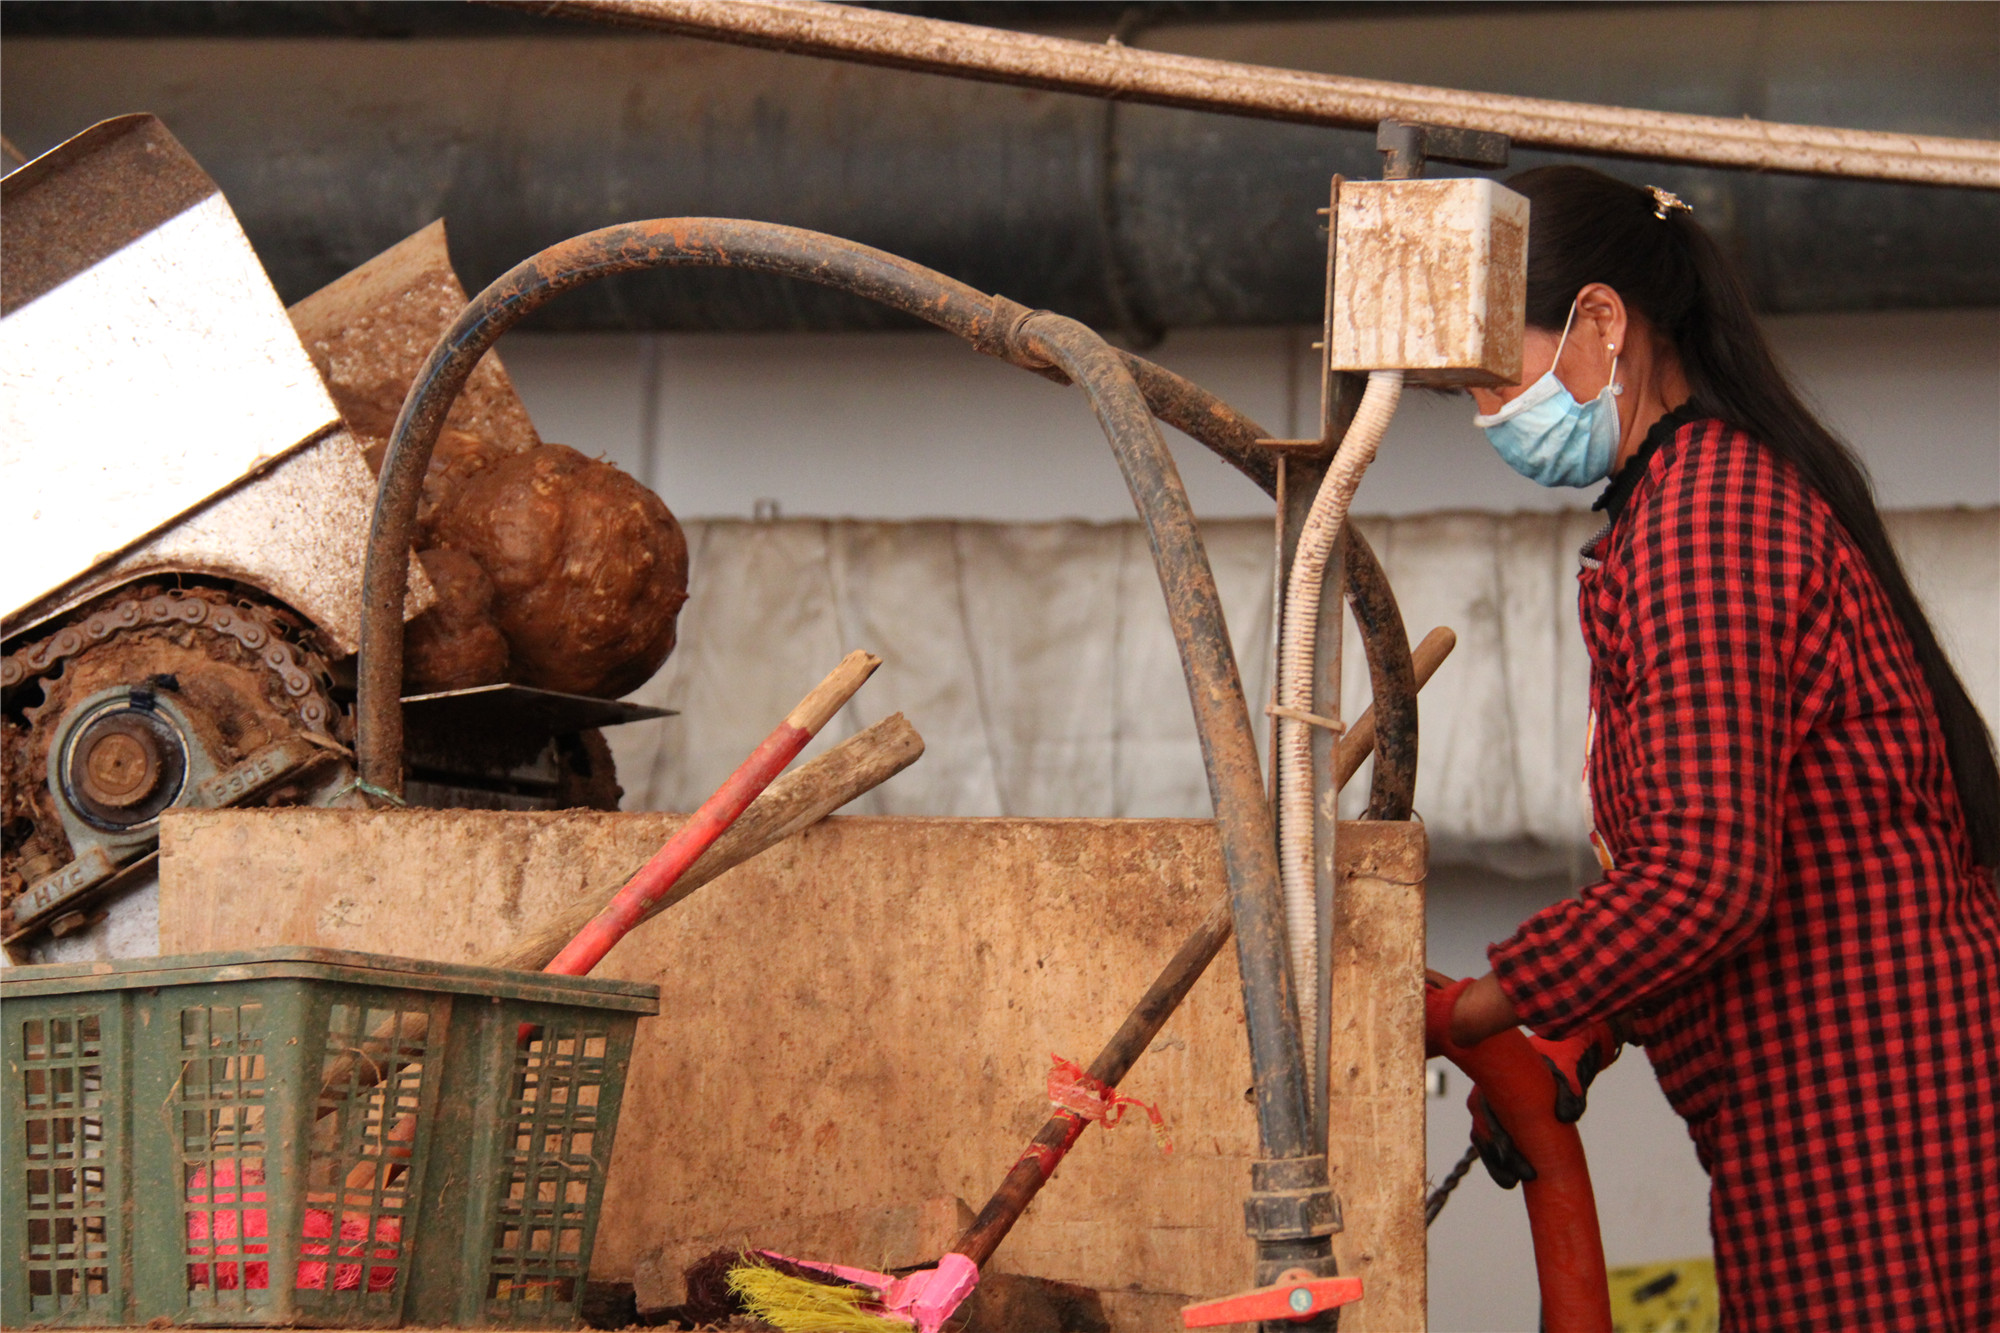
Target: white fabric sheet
{"x": 1036, "y": 660}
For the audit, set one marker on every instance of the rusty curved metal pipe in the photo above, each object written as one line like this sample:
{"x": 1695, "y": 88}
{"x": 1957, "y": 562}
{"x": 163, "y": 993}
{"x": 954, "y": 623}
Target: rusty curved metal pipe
{"x": 1035, "y": 340}
{"x": 1222, "y": 720}
{"x": 1200, "y": 415}
{"x": 984, "y": 321}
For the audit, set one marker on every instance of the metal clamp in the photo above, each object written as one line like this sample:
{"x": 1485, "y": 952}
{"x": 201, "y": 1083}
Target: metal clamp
{"x": 1010, "y": 318}
{"x": 1406, "y": 145}
{"x": 1291, "y": 1198}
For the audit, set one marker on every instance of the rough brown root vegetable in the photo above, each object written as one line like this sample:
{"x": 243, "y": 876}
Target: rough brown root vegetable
{"x": 601, "y": 626}
{"x": 456, "y": 644}
{"x": 588, "y": 566}
{"x": 459, "y": 457}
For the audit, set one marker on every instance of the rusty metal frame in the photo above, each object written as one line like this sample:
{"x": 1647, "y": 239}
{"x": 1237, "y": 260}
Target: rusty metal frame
{"x": 1240, "y": 442}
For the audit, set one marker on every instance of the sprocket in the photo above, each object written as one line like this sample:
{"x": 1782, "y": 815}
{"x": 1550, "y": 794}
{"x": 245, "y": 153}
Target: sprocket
{"x": 244, "y": 673}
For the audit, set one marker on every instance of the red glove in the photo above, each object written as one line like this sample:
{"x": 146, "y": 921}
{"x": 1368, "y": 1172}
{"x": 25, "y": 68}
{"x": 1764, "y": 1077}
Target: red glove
{"x": 1440, "y": 998}
{"x": 1575, "y": 1061}
{"x": 1505, "y": 1161}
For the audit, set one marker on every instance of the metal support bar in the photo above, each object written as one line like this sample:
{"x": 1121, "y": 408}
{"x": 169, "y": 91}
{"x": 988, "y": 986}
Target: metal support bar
{"x": 1406, "y": 146}
{"x": 1134, "y": 74}
{"x": 1233, "y": 437}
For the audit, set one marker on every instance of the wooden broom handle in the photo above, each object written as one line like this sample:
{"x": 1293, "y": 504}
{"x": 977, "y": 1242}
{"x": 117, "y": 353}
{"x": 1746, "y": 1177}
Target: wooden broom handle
{"x": 1359, "y": 742}
{"x": 817, "y": 708}
{"x": 717, "y": 813}
{"x": 1060, "y": 1132}
{"x": 800, "y": 798}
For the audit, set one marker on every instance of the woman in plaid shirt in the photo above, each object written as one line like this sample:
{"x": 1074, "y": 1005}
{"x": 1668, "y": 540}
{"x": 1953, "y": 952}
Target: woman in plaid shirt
{"x": 1796, "y": 802}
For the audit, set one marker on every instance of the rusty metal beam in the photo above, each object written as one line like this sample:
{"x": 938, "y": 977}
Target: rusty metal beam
{"x": 1133, "y": 74}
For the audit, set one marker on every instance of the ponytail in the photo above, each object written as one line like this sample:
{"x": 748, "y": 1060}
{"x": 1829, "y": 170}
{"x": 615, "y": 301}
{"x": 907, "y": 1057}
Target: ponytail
{"x": 1587, "y": 227}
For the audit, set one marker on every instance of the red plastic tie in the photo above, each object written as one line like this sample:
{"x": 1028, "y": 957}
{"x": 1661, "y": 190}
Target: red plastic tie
{"x": 1072, "y": 1090}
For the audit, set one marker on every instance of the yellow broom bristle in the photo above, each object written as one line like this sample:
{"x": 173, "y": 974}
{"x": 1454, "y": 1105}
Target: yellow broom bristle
{"x": 800, "y": 1305}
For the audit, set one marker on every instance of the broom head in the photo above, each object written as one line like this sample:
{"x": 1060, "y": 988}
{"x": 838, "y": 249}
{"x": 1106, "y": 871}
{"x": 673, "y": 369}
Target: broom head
{"x": 800, "y": 1300}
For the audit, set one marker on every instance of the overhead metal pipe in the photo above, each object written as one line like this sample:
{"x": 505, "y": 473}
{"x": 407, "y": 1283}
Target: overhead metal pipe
{"x": 1131, "y": 218}
{"x": 1134, "y": 74}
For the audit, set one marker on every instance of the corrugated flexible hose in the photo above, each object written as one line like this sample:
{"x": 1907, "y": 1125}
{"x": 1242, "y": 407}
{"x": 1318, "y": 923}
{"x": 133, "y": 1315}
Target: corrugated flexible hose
{"x": 1297, "y": 637}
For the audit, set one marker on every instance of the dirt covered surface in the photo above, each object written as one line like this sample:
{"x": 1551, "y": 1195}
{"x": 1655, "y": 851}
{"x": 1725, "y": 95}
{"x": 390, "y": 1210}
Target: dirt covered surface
{"x": 369, "y": 331}
{"x": 783, "y": 1044}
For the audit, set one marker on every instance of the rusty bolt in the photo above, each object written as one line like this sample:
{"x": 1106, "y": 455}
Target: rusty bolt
{"x": 69, "y": 923}
{"x": 121, "y": 762}
{"x": 123, "y": 767}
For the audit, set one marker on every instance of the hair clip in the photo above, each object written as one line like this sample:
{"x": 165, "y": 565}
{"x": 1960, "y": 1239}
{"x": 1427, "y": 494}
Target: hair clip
{"x": 1666, "y": 201}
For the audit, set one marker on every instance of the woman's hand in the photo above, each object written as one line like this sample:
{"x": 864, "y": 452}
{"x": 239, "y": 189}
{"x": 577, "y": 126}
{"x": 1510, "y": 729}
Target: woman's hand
{"x": 1576, "y": 1061}
{"x": 1482, "y": 1009}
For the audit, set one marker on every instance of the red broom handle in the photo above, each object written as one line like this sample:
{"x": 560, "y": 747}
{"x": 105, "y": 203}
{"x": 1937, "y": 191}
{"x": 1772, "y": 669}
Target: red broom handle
{"x": 717, "y": 813}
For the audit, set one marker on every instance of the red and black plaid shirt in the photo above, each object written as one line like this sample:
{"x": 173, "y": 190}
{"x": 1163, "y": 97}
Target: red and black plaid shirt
{"x": 1793, "y": 912}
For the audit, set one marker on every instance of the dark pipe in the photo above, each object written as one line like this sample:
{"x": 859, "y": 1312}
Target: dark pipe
{"x": 1199, "y": 414}
{"x": 1391, "y": 676}
{"x": 1000, "y": 328}
{"x": 1222, "y": 719}
{"x": 893, "y": 282}
{"x": 986, "y": 322}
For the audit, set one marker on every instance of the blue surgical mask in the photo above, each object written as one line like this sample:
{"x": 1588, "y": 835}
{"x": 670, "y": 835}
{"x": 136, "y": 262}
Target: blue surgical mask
{"x": 1549, "y": 437}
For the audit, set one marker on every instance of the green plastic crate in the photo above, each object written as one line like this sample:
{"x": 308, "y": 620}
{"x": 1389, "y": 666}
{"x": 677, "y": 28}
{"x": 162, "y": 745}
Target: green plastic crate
{"x": 305, "y": 1137}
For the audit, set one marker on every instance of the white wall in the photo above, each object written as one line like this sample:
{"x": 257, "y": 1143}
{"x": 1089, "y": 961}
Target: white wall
{"x": 917, "y": 425}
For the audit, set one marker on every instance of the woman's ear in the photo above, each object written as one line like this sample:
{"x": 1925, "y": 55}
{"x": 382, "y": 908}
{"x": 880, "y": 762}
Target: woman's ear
{"x": 1600, "y": 314}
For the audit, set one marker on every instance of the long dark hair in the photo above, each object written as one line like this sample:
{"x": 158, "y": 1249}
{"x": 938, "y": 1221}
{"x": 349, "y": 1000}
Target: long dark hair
{"x": 1586, "y": 227}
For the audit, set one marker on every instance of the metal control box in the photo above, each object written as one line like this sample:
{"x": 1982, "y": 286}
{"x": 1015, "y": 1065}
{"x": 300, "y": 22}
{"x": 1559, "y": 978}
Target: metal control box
{"x": 1430, "y": 278}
